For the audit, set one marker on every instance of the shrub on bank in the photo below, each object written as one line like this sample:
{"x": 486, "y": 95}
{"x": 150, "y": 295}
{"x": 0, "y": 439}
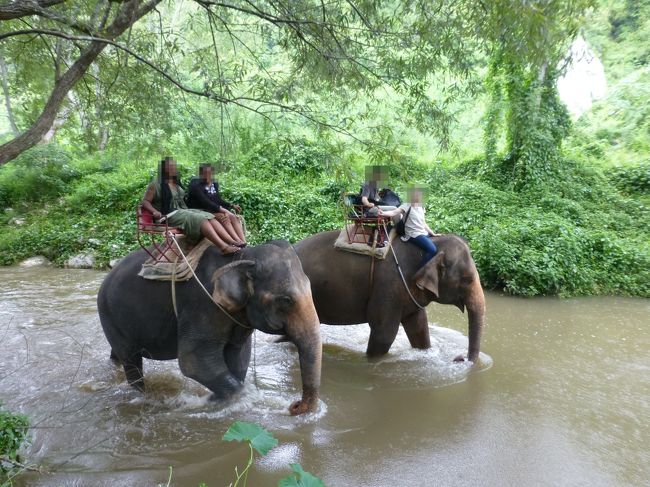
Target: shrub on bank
{"x": 573, "y": 234}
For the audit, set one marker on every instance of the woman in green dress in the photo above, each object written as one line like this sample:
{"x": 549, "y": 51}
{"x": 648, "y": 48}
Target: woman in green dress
{"x": 164, "y": 198}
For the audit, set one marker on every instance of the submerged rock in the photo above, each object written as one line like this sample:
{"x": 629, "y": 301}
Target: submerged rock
{"x": 81, "y": 261}
{"x": 37, "y": 260}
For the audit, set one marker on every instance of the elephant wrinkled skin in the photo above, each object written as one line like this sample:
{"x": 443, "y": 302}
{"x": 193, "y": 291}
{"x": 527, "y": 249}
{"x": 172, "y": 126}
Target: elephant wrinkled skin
{"x": 344, "y": 294}
{"x": 264, "y": 287}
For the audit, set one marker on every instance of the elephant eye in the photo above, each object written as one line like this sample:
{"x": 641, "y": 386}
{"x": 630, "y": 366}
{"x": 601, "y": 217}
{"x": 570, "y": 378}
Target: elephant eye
{"x": 285, "y": 301}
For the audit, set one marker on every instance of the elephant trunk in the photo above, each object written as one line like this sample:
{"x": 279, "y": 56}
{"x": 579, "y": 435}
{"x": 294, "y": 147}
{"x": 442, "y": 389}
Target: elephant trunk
{"x": 476, "y": 319}
{"x": 304, "y": 332}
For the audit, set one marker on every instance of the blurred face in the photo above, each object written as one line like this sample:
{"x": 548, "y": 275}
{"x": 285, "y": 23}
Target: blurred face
{"x": 172, "y": 170}
{"x": 416, "y": 195}
{"x": 206, "y": 173}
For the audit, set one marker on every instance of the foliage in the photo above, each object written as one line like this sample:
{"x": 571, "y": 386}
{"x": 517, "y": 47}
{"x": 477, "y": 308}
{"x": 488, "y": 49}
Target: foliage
{"x": 573, "y": 235}
{"x": 13, "y": 434}
{"x": 634, "y": 179}
{"x": 301, "y": 479}
{"x": 37, "y": 175}
{"x": 261, "y": 441}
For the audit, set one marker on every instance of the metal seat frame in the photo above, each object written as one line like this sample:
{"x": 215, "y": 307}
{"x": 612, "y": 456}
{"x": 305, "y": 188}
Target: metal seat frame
{"x": 148, "y": 229}
{"x": 366, "y": 227}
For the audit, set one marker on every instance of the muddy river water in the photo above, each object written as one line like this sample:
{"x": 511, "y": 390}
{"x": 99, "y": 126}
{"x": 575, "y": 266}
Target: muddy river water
{"x": 562, "y": 397}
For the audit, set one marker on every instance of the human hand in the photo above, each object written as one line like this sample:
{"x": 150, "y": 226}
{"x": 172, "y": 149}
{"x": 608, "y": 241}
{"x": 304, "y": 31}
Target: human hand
{"x": 157, "y": 215}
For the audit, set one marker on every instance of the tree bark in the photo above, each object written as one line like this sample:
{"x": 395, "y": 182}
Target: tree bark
{"x": 14, "y": 10}
{"x": 5, "y": 89}
{"x": 129, "y": 12}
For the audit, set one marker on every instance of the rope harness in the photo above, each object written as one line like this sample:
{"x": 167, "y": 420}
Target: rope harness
{"x": 223, "y": 310}
{"x": 399, "y": 269}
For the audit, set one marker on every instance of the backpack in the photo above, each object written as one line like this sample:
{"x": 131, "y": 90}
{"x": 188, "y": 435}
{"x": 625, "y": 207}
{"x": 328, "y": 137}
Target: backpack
{"x": 400, "y": 226}
{"x": 388, "y": 197}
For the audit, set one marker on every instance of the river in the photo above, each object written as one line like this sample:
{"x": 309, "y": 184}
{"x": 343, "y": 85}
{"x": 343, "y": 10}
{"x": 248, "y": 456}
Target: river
{"x": 562, "y": 397}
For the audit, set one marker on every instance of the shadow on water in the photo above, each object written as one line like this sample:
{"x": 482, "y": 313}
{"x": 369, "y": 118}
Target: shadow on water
{"x": 561, "y": 397}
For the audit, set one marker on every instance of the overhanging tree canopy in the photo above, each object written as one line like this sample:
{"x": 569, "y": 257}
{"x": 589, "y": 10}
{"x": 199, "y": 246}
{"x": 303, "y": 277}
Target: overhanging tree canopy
{"x": 265, "y": 56}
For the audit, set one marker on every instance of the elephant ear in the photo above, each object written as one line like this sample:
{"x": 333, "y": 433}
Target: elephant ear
{"x": 428, "y": 277}
{"x": 233, "y": 285}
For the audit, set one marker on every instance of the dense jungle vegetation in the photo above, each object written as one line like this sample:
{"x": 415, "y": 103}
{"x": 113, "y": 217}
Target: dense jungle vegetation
{"x": 291, "y": 101}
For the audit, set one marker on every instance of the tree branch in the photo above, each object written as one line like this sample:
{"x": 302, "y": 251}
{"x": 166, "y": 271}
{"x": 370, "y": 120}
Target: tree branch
{"x": 24, "y": 8}
{"x": 130, "y": 11}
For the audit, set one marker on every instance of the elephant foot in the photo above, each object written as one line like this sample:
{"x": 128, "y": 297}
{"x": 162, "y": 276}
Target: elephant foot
{"x": 115, "y": 358}
{"x": 461, "y": 358}
{"x": 302, "y": 407}
{"x": 138, "y": 385}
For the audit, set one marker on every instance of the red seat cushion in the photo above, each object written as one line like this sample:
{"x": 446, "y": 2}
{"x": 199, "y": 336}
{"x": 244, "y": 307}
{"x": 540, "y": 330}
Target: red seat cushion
{"x": 146, "y": 217}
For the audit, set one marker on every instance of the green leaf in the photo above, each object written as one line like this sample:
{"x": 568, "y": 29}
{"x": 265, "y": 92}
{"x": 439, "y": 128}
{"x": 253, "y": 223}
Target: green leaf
{"x": 260, "y": 439}
{"x": 304, "y": 479}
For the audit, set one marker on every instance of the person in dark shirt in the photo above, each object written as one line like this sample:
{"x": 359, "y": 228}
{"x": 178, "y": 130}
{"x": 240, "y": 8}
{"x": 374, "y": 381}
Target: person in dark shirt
{"x": 164, "y": 198}
{"x": 204, "y": 195}
{"x": 369, "y": 193}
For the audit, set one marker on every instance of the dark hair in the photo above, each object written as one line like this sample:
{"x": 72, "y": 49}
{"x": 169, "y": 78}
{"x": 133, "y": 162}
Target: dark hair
{"x": 202, "y": 167}
{"x": 165, "y": 191}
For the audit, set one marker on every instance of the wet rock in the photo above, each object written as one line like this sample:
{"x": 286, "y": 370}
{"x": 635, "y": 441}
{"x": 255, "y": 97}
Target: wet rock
{"x": 114, "y": 262}
{"x": 81, "y": 261}
{"x": 36, "y": 261}
{"x": 17, "y": 221}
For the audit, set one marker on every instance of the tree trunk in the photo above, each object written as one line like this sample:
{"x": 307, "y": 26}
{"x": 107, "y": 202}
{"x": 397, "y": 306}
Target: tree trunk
{"x": 129, "y": 12}
{"x": 5, "y": 89}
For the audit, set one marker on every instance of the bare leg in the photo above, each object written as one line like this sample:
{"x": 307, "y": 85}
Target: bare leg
{"x": 237, "y": 227}
{"x": 224, "y": 219}
{"x": 222, "y": 232}
{"x": 208, "y": 232}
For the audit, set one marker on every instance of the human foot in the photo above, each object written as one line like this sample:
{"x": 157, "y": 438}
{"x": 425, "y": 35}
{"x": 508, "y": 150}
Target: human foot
{"x": 230, "y": 249}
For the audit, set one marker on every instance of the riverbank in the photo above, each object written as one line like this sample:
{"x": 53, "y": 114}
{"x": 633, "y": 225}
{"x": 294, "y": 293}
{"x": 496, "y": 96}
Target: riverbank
{"x": 582, "y": 231}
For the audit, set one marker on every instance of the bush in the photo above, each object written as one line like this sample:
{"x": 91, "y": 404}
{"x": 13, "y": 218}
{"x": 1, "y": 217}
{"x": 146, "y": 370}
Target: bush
{"x": 38, "y": 174}
{"x": 634, "y": 179}
{"x": 13, "y": 433}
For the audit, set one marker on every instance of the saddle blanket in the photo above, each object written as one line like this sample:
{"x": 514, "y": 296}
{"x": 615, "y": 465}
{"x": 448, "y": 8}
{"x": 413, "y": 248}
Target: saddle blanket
{"x": 343, "y": 244}
{"x": 164, "y": 269}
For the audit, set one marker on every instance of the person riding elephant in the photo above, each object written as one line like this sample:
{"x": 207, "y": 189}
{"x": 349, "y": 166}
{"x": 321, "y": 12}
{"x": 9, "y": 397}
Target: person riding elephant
{"x": 345, "y": 294}
{"x": 416, "y": 229}
{"x": 203, "y": 194}
{"x": 209, "y": 329}
{"x": 165, "y": 199}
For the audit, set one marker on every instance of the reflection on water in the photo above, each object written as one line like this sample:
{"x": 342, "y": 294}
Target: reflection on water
{"x": 561, "y": 398}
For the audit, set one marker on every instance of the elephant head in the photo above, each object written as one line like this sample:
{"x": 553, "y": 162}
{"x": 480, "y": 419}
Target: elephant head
{"x": 272, "y": 291}
{"x": 451, "y": 278}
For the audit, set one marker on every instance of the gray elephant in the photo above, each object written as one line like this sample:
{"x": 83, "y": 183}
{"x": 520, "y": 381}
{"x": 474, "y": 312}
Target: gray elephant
{"x": 344, "y": 292}
{"x": 262, "y": 287}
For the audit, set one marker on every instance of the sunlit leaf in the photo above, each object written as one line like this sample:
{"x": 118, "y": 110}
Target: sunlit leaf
{"x": 303, "y": 479}
{"x": 260, "y": 439}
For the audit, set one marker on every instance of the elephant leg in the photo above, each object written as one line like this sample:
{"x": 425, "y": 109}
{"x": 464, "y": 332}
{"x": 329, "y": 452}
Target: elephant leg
{"x": 133, "y": 371}
{"x": 204, "y": 361}
{"x": 384, "y": 325}
{"x": 238, "y": 357}
{"x": 114, "y": 357}
{"x": 416, "y": 326}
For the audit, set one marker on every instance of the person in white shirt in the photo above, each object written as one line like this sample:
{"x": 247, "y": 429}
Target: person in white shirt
{"x": 416, "y": 230}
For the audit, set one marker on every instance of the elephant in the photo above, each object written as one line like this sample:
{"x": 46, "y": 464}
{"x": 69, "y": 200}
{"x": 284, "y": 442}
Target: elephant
{"x": 347, "y": 289}
{"x": 263, "y": 288}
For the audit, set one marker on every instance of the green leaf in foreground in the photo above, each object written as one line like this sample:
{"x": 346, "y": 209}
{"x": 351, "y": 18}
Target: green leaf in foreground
{"x": 260, "y": 439}
{"x": 304, "y": 479}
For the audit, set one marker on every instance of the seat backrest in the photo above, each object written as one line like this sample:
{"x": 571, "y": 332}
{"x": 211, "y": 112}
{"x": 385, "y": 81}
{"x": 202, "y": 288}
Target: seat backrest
{"x": 145, "y": 217}
{"x": 352, "y": 206}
